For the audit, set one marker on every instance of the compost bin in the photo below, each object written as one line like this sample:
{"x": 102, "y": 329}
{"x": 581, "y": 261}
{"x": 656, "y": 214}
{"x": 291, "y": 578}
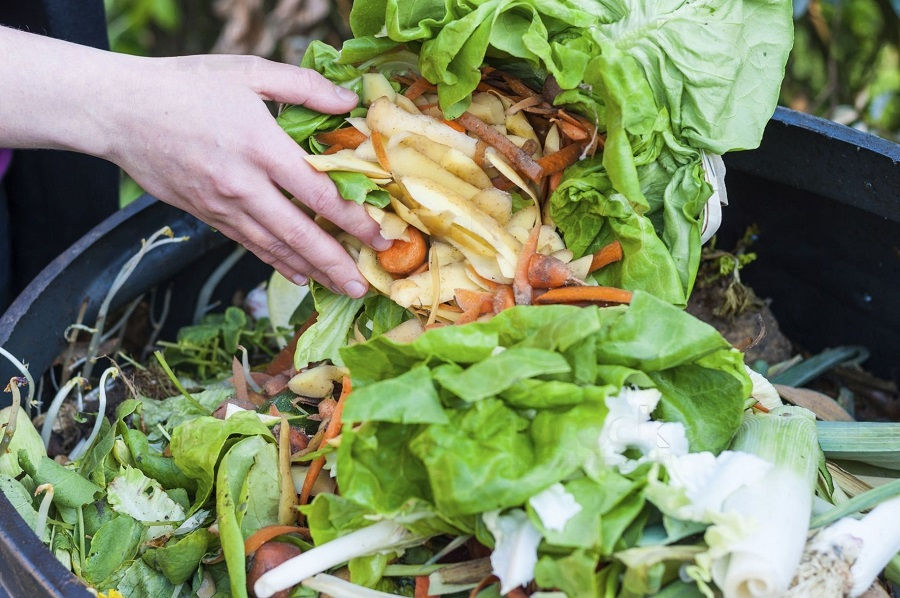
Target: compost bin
{"x": 825, "y": 199}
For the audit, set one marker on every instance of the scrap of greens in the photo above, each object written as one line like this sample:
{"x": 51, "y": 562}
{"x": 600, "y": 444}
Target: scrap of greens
{"x": 663, "y": 82}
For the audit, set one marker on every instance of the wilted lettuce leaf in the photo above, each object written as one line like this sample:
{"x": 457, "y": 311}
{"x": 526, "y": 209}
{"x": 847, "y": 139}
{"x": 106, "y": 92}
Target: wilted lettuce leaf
{"x": 26, "y": 438}
{"x": 134, "y": 494}
{"x": 573, "y": 574}
{"x": 198, "y": 444}
{"x": 115, "y": 543}
{"x": 716, "y": 65}
{"x": 239, "y": 513}
{"x": 415, "y": 400}
{"x": 20, "y": 499}
{"x": 70, "y": 489}
{"x": 328, "y": 334}
{"x": 179, "y": 558}
{"x": 153, "y": 463}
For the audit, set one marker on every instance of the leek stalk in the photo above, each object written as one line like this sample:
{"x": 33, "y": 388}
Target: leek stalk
{"x": 382, "y": 536}
{"x": 875, "y": 443}
{"x": 775, "y": 510}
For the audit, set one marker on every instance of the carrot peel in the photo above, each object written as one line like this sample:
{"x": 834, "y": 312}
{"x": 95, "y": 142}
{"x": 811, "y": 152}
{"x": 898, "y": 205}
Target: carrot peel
{"x": 334, "y": 427}
{"x": 265, "y": 534}
{"x": 584, "y": 294}
{"x": 608, "y": 254}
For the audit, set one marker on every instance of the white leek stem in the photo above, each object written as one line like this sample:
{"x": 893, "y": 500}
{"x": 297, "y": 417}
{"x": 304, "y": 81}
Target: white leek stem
{"x": 53, "y": 411}
{"x": 384, "y": 535}
{"x": 101, "y": 411}
{"x": 329, "y": 585}
{"x": 776, "y": 508}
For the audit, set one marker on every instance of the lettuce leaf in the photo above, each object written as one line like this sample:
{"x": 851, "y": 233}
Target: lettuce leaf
{"x": 716, "y": 65}
{"x": 515, "y": 419}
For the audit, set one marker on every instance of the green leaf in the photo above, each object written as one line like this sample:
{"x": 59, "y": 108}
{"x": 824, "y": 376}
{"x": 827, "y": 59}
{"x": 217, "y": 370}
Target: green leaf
{"x": 410, "y": 398}
{"x": 383, "y": 314}
{"x": 357, "y": 187}
{"x": 26, "y": 438}
{"x": 139, "y": 579}
{"x": 716, "y": 64}
{"x": 173, "y": 411}
{"x": 652, "y": 335}
{"x": 367, "y": 571}
{"x": 491, "y": 457}
{"x": 301, "y": 122}
{"x": 69, "y": 489}
{"x": 708, "y": 402}
{"x": 115, "y": 543}
{"x": 142, "y": 498}
{"x": 597, "y": 497}
{"x": 90, "y": 464}
{"x": 328, "y": 334}
{"x": 154, "y": 464}
{"x": 179, "y": 558}
{"x": 20, "y": 499}
{"x": 198, "y": 443}
{"x": 261, "y": 490}
{"x": 233, "y": 504}
{"x": 498, "y": 372}
{"x": 361, "y": 49}
{"x": 330, "y": 516}
{"x": 378, "y": 469}
{"x": 573, "y": 573}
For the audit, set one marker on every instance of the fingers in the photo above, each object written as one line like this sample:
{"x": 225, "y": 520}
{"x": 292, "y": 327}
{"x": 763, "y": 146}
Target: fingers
{"x": 314, "y": 189}
{"x": 295, "y": 85}
{"x": 280, "y": 234}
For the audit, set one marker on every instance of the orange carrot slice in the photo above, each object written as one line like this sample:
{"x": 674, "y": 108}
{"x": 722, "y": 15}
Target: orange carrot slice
{"x": 404, "y": 257}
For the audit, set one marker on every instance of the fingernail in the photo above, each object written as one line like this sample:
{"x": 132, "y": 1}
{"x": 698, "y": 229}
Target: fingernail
{"x": 346, "y": 94}
{"x": 381, "y": 244}
{"x": 355, "y": 289}
{"x": 299, "y": 280}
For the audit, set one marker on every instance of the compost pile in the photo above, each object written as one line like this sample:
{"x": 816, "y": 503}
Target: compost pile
{"x": 521, "y": 406}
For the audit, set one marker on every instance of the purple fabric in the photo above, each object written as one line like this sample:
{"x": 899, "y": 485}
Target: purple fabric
{"x": 5, "y": 157}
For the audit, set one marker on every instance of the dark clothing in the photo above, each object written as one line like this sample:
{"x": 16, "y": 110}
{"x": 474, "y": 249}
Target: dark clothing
{"x": 52, "y": 197}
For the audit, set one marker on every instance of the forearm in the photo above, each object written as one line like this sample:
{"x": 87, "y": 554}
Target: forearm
{"x": 56, "y": 95}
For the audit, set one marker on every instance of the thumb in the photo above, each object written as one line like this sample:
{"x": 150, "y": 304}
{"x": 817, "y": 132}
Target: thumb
{"x": 294, "y": 85}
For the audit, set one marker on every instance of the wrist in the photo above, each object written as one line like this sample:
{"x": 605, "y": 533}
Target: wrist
{"x": 59, "y": 95}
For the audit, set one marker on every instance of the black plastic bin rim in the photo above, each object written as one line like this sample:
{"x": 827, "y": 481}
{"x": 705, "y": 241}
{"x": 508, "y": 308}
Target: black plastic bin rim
{"x": 797, "y": 150}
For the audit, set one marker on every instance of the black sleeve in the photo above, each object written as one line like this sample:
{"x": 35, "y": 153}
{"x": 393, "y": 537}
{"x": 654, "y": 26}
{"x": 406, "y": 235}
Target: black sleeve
{"x": 54, "y": 197}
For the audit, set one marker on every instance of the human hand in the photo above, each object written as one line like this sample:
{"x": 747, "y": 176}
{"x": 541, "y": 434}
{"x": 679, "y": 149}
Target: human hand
{"x": 198, "y": 136}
